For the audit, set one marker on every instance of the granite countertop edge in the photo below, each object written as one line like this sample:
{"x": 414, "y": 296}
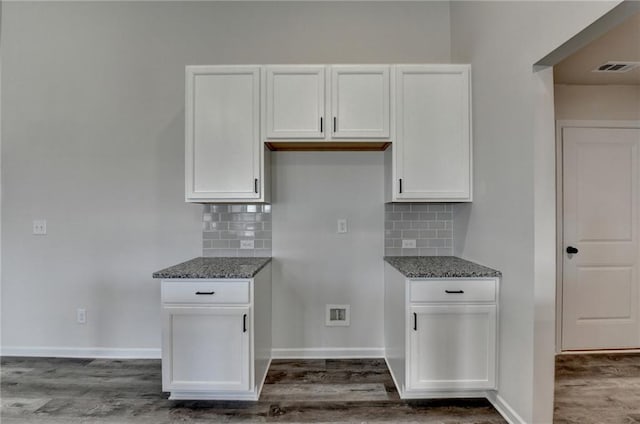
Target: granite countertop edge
{"x": 214, "y": 268}
{"x": 440, "y": 267}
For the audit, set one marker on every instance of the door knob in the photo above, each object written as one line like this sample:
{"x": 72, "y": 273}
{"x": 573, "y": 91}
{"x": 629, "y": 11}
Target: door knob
{"x": 571, "y": 250}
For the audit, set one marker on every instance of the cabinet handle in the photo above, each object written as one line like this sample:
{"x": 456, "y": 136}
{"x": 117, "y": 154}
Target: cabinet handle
{"x": 454, "y": 291}
{"x": 321, "y": 124}
{"x": 335, "y": 124}
{"x": 206, "y": 293}
{"x": 400, "y": 185}
{"x": 415, "y": 322}
{"x": 244, "y": 323}
{"x": 255, "y": 185}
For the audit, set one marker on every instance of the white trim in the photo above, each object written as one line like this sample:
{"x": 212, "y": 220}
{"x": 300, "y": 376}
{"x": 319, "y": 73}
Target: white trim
{"x": 204, "y": 395}
{"x": 597, "y": 352}
{"x": 328, "y": 353}
{"x": 82, "y": 352}
{"x": 507, "y": 412}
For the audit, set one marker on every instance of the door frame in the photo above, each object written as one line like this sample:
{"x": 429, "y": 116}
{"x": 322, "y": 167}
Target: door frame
{"x": 561, "y": 125}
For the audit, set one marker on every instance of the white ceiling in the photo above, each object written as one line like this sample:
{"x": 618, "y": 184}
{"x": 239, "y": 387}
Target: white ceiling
{"x": 620, "y": 44}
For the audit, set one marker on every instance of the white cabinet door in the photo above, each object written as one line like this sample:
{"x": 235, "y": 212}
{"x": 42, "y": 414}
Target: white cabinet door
{"x": 223, "y": 147}
{"x": 432, "y": 148}
{"x": 206, "y": 349}
{"x": 359, "y": 101}
{"x": 452, "y": 347}
{"x": 295, "y": 102}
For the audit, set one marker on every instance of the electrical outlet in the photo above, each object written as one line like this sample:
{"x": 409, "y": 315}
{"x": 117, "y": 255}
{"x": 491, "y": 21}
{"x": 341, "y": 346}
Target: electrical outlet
{"x": 246, "y": 244}
{"x": 40, "y": 227}
{"x": 342, "y": 226}
{"x": 408, "y": 244}
{"x": 81, "y": 316}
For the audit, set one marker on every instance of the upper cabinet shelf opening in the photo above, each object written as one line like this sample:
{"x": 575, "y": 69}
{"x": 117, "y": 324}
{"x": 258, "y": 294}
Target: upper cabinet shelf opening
{"x": 235, "y": 115}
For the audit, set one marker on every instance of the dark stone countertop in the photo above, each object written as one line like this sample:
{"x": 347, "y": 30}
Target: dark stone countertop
{"x": 439, "y": 267}
{"x": 214, "y": 268}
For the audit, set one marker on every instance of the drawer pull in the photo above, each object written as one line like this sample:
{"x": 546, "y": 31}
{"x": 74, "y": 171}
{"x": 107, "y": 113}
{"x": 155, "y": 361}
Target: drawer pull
{"x": 454, "y": 291}
{"x": 244, "y": 323}
{"x": 205, "y": 293}
{"x": 415, "y": 322}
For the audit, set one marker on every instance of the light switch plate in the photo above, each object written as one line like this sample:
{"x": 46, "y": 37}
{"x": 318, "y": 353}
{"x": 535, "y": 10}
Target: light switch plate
{"x": 408, "y": 244}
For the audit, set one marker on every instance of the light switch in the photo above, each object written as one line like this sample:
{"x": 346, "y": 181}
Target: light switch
{"x": 342, "y": 226}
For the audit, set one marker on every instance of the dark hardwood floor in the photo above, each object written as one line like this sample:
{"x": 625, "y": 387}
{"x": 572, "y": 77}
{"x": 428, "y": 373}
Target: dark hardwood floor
{"x": 590, "y": 389}
{"x": 73, "y": 391}
{"x": 597, "y": 389}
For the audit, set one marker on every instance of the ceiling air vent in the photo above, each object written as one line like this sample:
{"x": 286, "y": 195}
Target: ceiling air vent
{"x": 617, "y": 67}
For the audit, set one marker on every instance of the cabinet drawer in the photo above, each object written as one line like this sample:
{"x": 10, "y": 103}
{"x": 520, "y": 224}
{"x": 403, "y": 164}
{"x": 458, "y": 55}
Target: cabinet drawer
{"x": 208, "y": 292}
{"x": 452, "y": 291}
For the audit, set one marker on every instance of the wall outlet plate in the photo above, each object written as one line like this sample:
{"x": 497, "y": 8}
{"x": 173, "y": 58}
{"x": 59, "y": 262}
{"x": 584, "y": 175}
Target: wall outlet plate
{"x": 246, "y": 244}
{"x": 342, "y": 226}
{"x": 408, "y": 244}
{"x": 40, "y": 227}
{"x": 81, "y": 316}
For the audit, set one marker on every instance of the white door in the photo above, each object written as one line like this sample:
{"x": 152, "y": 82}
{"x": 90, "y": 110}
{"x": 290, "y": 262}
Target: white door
{"x": 360, "y": 101}
{"x": 452, "y": 347}
{"x": 433, "y": 137}
{"x": 600, "y": 281}
{"x": 222, "y": 149}
{"x": 295, "y": 102}
{"x": 206, "y": 349}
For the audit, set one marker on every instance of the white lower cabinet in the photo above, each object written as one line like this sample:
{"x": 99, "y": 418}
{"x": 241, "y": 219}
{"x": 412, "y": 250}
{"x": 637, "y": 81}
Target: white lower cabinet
{"x": 207, "y": 348}
{"x": 441, "y": 335}
{"x": 452, "y": 347}
{"x": 216, "y": 341}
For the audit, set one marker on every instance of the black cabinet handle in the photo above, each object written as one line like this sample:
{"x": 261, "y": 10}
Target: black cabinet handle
{"x": 244, "y": 323}
{"x": 335, "y": 124}
{"x": 321, "y": 124}
{"x": 255, "y": 185}
{"x": 454, "y": 291}
{"x": 415, "y": 322}
{"x": 571, "y": 250}
{"x": 400, "y": 180}
{"x": 205, "y": 293}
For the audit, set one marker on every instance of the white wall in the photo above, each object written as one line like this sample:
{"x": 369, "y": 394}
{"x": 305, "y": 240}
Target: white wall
{"x": 313, "y": 264}
{"x": 513, "y": 178}
{"x": 92, "y": 110}
{"x": 597, "y": 102}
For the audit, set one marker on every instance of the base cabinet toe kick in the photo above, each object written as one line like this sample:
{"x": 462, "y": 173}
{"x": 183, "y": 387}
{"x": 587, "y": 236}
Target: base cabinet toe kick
{"x": 216, "y": 337}
{"x": 441, "y": 335}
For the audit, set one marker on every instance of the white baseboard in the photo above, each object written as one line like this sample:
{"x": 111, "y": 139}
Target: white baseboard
{"x": 597, "y": 352}
{"x": 82, "y": 352}
{"x": 328, "y": 353}
{"x": 507, "y": 412}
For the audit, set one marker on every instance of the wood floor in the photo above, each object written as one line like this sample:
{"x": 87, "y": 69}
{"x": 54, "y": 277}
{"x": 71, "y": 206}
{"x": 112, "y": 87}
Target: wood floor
{"x": 72, "y": 391}
{"x": 597, "y": 389}
{"x": 589, "y": 389}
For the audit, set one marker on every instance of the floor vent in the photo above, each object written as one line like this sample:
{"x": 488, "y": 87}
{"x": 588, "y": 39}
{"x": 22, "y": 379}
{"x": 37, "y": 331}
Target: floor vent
{"x": 617, "y": 67}
{"x": 338, "y": 315}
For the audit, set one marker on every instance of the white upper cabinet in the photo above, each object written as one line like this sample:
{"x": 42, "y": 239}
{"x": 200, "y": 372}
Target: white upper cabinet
{"x": 432, "y": 147}
{"x": 358, "y": 107}
{"x": 223, "y": 149}
{"x": 360, "y": 101}
{"x": 295, "y": 102}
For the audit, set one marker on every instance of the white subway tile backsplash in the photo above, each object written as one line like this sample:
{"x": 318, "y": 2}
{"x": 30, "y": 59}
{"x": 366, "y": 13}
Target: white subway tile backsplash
{"x": 429, "y": 224}
{"x": 224, "y": 226}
